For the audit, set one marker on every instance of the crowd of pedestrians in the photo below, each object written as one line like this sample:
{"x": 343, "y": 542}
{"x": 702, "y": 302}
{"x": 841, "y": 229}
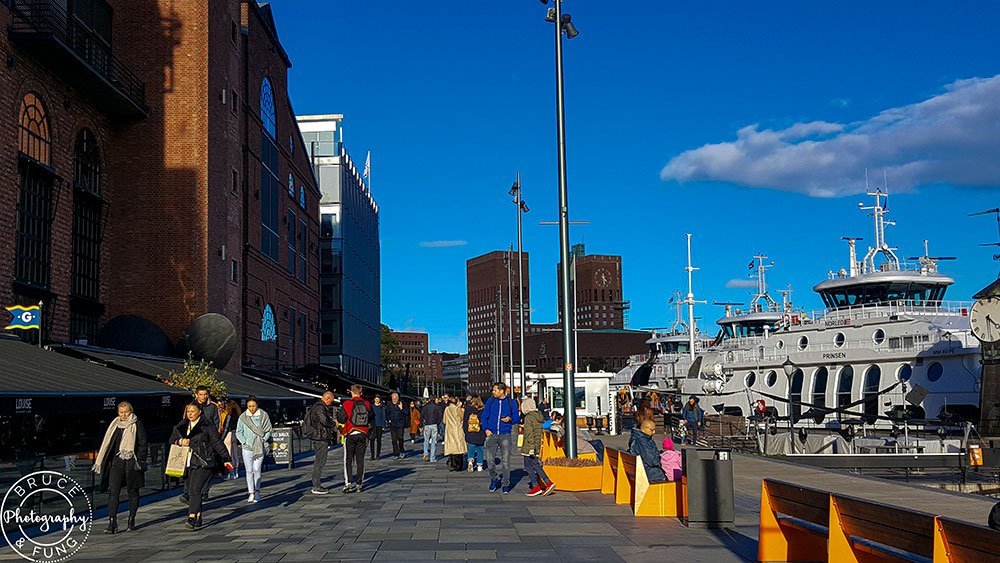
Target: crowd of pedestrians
{"x": 477, "y": 436}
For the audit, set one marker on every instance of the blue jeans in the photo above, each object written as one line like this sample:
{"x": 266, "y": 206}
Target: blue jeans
{"x": 430, "y": 441}
{"x": 476, "y": 453}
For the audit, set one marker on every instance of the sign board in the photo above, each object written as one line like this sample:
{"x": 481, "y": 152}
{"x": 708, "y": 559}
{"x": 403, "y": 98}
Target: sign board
{"x": 281, "y": 446}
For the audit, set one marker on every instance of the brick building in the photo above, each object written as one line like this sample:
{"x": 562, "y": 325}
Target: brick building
{"x": 491, "y": 308}
{"x": 413, "y": 356}
{"x": 155, "y": 168}
{"x": 435, "y": 365}
{"x": 603, "y": 349}
{"x": 598, "y": 291}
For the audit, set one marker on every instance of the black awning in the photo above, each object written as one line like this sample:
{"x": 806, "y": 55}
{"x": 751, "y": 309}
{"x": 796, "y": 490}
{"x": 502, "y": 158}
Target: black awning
{"x": 297, "y": 386}
{"x": 338, "y": 381}
{"x": 30, "y": 370}
{"x": 159, "y": 367}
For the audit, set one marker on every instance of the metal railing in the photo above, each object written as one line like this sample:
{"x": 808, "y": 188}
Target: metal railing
{"x": 48, "y": 17}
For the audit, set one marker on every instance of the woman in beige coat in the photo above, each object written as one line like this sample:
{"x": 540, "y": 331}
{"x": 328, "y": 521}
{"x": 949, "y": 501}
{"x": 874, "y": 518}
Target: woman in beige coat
{"x": 454, "y": 436}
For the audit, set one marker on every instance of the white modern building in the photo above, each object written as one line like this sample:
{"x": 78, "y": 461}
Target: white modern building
{"x": 350, "y": 269}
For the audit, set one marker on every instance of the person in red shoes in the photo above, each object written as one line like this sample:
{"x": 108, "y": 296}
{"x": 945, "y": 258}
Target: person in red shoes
{"x": 356, "y": 416}
{"x": 531, "y": 421}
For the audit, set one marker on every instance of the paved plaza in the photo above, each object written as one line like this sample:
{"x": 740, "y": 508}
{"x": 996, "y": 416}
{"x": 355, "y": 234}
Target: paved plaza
{"x": 410, "y": 510}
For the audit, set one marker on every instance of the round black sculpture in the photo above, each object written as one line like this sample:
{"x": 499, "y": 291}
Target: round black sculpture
{"x": 211, "y": 337}
{"x": 133, "y": 333}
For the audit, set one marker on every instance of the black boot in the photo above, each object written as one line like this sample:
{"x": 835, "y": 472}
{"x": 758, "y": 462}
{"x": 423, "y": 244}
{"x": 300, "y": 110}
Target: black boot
{"x": 131, "y": 523}
{"x": 112, "y": 525}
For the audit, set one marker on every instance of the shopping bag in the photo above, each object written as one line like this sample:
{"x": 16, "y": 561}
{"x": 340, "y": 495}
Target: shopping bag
{"x": 177, "y": 460}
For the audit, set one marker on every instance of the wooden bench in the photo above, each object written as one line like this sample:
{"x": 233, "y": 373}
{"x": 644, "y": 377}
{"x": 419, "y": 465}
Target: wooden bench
{"x": 794, "y": 522}
{"x": 959, "y": 542}
{"x": 800, "y": 523}
{"x": 862, "y": 530}
{"x": 645, "y": 498}
{"x": 609, "y": 473}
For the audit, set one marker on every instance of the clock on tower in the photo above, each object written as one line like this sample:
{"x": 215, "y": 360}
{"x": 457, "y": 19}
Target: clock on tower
{"x": 984, "y": 319}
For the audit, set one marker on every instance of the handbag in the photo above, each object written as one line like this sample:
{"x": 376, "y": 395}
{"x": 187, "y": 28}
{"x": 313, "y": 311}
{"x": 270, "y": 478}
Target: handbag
{"x": 177, "y": 460}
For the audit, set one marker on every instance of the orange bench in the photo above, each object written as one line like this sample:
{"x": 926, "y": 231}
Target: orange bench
{"x": 645, "y": 498}
{"x": 804, "y": 524}
{"x": 609, "y": 471}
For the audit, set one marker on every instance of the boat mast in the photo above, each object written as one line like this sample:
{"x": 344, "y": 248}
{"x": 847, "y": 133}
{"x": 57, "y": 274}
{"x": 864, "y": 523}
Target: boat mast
{"x": 689, "y": 301}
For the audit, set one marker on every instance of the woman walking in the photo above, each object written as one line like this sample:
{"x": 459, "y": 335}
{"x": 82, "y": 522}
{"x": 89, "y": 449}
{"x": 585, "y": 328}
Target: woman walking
{"x": 253, "y": 432}
{"x": 414, "y": 422}
{"x": 454, "y": 435}
{"x": 206, "y": 444}
{"x": 121, "y": 461}
{"x": 475, "y": 434}
{"x": 229, "y": 414}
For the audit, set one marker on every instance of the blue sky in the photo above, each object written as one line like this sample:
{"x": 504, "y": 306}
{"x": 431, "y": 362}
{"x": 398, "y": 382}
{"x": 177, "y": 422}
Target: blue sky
{"x": 747, "y": 124}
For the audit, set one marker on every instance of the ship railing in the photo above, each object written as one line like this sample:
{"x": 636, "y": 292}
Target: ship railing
{"x": 884, "y": 310}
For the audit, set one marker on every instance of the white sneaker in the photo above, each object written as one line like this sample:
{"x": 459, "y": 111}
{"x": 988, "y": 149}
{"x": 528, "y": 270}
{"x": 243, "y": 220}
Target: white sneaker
{"x": 479, "y": 468}
{"x": 251, "y": 499}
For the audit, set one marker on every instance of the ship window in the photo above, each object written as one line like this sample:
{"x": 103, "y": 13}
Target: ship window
{"x": 873, "y": 376}
{"x": 772, "y": 378}
{"x": 839, "y": 340}
{"x": 803, "y": 342}
{"x": 845, "y": 387}
{"x": 779, "y": 344}
{"x": 819, "y": 387}
{"x": 795, "y": 395}
{"x": 934, "y": 371}
{"x": 750, "y": 379}
{"x": 904, "y": 372}
{"x": 878, "y": 337}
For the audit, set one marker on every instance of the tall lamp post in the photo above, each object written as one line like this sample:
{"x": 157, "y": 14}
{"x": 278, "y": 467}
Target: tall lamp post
{"x": 522, "y": 208}
{"x": 563, "y": 24}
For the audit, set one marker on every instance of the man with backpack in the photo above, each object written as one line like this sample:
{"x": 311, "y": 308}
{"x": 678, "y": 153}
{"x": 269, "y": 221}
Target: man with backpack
{"x": 320, "y": 426}
{"x": 355, "y": 415}
{"x": 500, "y": 419}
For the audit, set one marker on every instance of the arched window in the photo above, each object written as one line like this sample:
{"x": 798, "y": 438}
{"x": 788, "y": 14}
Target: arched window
{"x": 270, "y": 186}
{"x": 795, "y": 395}
{"x": 845, "y": 387}
{"x": 34, "y": 201}
{"x": 820, "y": 377}
{"x": 268, "y": 328}
{"x": 85, "y": 309}
{"x": 34, "y": 139}
{"x": 267, "y": 108}
{"x": 873, "y": 378}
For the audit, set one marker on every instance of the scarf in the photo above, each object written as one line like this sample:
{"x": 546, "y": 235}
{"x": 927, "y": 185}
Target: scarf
{"x": 259, "y": 431}
{"x": 126, "y": 448}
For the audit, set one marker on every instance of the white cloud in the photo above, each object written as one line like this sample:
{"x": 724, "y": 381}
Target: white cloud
{"x": 950, "y": 138}
{"x": 738, "y": 283}
{"x": 443, "y": 243}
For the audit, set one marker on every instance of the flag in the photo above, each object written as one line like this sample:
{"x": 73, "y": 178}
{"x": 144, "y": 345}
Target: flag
{"x": 750, "y": 267}
{"x": 368, "y": 167}
{"x": 25, "y": 318}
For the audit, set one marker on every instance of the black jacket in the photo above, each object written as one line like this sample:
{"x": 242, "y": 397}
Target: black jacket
{"x": 320, "y": 423}
{"x": 399, "y": 415}
{"x": 431, "y": 414}
{"x": 134, "y": 477}
{"x": 207, "y": 447}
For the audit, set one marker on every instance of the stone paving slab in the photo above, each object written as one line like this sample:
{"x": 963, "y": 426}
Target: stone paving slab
{"x": 409, "y": 511}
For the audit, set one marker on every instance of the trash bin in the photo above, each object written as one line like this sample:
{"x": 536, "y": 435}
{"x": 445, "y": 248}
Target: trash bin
{"x": 708, "y": 488}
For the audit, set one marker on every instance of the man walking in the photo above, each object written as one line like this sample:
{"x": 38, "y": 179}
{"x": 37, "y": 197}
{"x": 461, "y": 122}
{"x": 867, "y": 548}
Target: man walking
{"x": 398, "y": 420}
{"x": 210, "y": 414}
{"x": 431, "y": 416}
{"x": 320, "y": 426}
{"x": 379, "y": 422}
{"x": 355, "y": 415}
{"x": 500, "y": 415}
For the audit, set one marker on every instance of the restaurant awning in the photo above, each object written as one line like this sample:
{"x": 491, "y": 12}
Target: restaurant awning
{"x": 152, "y": 367}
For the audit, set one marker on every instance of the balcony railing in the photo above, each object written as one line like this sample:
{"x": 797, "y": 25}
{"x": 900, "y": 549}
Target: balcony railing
{"x": 45, "y": 22}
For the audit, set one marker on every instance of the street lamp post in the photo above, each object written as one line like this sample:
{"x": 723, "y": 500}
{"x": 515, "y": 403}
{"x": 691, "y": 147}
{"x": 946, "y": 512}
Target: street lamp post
{"x": 563, "y": 24}
{"x": 522, "y": 208}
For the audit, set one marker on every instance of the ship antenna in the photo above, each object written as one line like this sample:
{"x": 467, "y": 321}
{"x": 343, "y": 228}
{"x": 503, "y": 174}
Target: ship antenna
{"x": 996, "y": 212}
{"x": 762, "y": 284}
{"x": 879, "y": 211}
{"x": 689, "y": 301}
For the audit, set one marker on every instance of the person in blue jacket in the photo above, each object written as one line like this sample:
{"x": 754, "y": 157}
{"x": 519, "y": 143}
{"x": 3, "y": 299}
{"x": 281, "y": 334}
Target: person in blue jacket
{"x": 694, "y": 417}
{"x": 500, "y": 417}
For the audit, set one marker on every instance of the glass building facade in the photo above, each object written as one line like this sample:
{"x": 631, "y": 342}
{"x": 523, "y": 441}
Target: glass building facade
{"x": 350, "y": 268}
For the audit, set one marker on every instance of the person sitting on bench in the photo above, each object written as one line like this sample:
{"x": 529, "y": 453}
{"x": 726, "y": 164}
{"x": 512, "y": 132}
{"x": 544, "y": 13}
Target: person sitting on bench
{"x": 670, "y": 461}
{"x": 644, "y": 449}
